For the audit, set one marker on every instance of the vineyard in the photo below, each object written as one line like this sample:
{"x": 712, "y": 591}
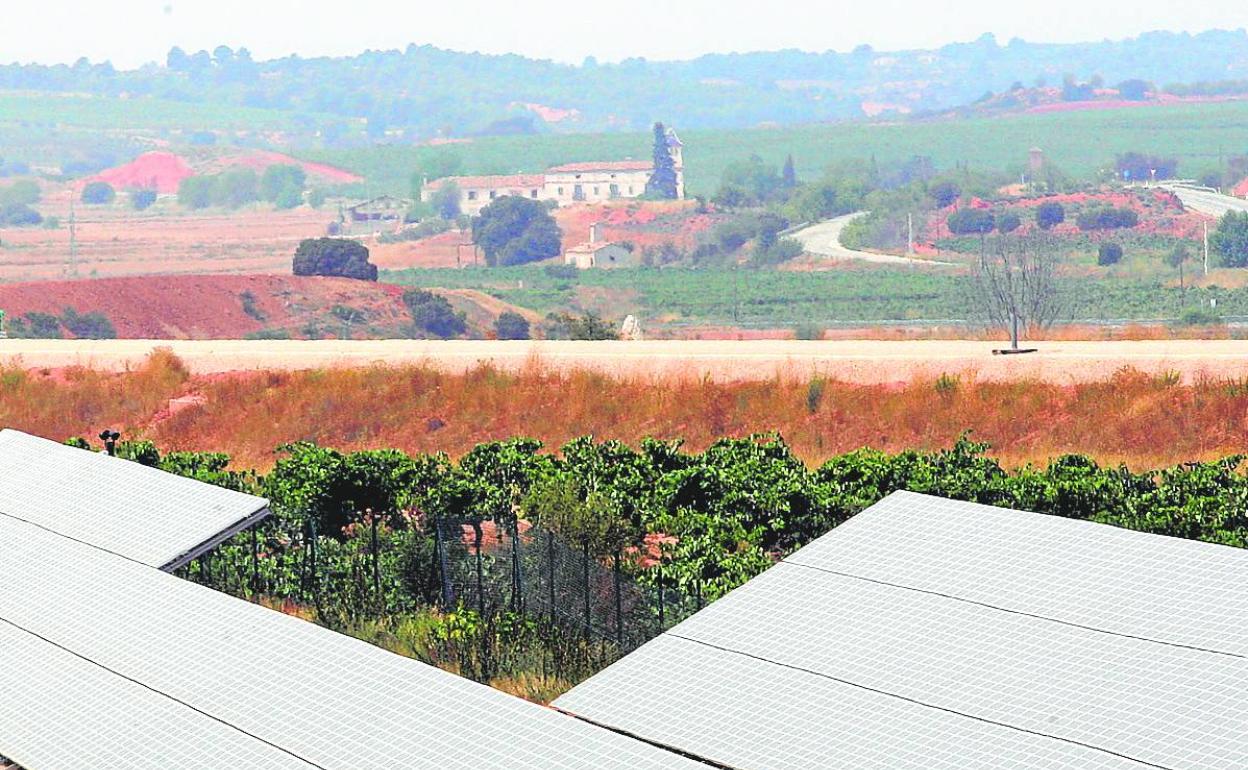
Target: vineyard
{"x": 745, "y": 297}
{"x": 370, "y": 542}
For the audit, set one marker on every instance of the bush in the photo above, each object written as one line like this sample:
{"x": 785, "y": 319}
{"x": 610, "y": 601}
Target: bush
{"x": 250, "y": 306}
{"x": 288, "y": 198}
{"x": 268, "y": 334}
{"x": 562, "y": 272}
{"x": 19, "y": 215}
{"x": 142, "y": 199}
{"x": 1198, "y": 316}
{"x": 511, "y": 326}
{"x": 565, "y": 326}
{"x": 36, "y": 325}
{"x": 197, "y": 192}
{"x": 433, "y": 315}
{"x": 1107, "y": 219}
{"x": 317, "y": 196}
{"x": 282, "y": 183}
{"x": 88, "y": 326}
{"x": 1108, "y": 254}
{"x": 971, "y": 221}
{"x": 1230, "y": 240}
{"x": 339, "y": 257}
{"x": 1049, "y": 215}
{"x": 945, "y": 194}
{"x": 1008, "y": 221}
{"x": 22, "y": 191}
{"x": 98, "y": 194}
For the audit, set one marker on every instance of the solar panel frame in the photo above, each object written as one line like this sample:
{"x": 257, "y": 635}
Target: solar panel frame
{"x": 329, "y": 699}
{"x": 156, "y": 518}
{"x": 1109, "y": 691}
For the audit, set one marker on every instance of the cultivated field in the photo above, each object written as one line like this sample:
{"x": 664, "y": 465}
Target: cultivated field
{"x": 856, "y": 361}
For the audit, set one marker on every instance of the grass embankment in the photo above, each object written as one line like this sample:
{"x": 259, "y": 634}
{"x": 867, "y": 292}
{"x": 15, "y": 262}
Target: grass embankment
{"x": 1145, "y": 421}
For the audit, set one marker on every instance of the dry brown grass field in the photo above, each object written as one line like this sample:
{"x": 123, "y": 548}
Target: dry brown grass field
{"x": 1143, "y": 418}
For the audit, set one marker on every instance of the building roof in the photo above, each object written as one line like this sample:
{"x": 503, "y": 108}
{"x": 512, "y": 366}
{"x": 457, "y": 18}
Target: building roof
{"x": 488, "y": 182}
{"x": 153, "y": 517}
{"x": 107, "y": 662}
{"x": 930, "y": 634}
{"x": 388, "y": 200}
{"x": 591, "y": 248}
{"x": 672, "y": 139}
{"x": 603, "y": 165}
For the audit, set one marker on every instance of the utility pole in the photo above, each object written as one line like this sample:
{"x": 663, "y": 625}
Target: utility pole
{"x": 1206, "y": 248}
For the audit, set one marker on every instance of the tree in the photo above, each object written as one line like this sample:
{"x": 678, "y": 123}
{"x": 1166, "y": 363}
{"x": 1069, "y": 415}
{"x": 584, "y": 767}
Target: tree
{"x": 432, "y": 314}
{"x": 1008, "y": 222}
{"x": 510, "y": 325}
{"x": 662, "y": 182}
{"x": 1108, "y": 254}
{"x": 1230, "y": 240}
{"x": 945, "y": 193}
{"x": 197, "y": 192}
{"x": 1015, "y": 284}
{"x": 750, "y": 183}
{"x": 1138, "y": 167}
{"x": 280, "y": 181}
{"x": 98, "y": 194}
{"x": 971, "y": 222}
{"x": 1177, "y": 256}
{"x": 177, "y": 60}
{"x": 789, "y": 174}
{"x": 236, "y": 188}
{"x": 19, "y": 215}
{"x": 1134, "y": 90}
{"x": 142, "y": 199}
{"x": 514, "y": 230}
{"x": 1050, "y": 214}
{"x": 1107, "y": 219}
{"x": 334, "y": 257}
{"x": 88, "y": 326}
{"x": 445, "y": 202}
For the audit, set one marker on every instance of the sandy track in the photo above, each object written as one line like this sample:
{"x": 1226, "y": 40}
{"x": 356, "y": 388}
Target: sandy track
{"x": 853, "y": 360}
{"x": 824, "y": 240}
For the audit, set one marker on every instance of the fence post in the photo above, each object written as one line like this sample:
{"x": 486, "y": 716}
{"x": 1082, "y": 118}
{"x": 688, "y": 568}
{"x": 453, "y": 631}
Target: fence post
{"x": 440, "y": 554}
{"x": 585, "y": 585}
{"x": 255, "y": 560}
{"x": 550, "y": 572}
{"x": 619, "y": 609}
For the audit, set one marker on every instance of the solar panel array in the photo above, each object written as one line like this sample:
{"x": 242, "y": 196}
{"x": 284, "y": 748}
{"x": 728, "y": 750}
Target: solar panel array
{"x": 142, "y": 513}
{"x": 933, "y": 634}
{"x": 105, "y": 662}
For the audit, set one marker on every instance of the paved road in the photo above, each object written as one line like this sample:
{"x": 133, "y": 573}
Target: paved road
{"x": 864, "y": 361}
{"x": 1209, "y": 203}
{"x": 824, "y": 240}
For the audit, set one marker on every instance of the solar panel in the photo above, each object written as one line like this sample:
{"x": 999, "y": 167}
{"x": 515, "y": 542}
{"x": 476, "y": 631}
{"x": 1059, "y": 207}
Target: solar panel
{"x": 322, "y": 698}
{"x": 955, "y": 650}
{"x": 142, "y": 513}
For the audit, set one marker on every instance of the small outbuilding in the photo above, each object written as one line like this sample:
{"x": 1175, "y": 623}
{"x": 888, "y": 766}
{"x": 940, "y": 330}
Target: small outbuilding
{"x": 598, "y": 253}
{"x": 384, "y": 208}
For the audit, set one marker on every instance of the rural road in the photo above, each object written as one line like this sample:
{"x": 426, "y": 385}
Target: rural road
{"x": 824, "y": 240}
{"x": 1208, "y": 203}
{"x": 864, "y": 361}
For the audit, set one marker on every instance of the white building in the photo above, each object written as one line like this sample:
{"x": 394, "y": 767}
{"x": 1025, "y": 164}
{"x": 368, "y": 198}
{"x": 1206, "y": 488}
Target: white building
{"x": 601, "y": 254}
{"x": 585, "y": 182}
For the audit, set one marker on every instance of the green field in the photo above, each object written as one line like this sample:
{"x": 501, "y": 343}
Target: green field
{"x": 1081, "y": 143}
{"x": 771, "y": 298}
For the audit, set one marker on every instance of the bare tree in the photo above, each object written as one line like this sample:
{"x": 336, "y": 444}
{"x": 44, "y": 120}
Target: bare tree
{"x": 1015, "y": 283}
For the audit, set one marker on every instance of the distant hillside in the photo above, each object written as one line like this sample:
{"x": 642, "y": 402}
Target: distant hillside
{"x": 424, "y": 92}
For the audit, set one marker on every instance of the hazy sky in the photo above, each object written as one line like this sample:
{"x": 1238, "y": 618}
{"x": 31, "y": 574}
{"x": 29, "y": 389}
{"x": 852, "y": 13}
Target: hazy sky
{"x": 130, "y": 32}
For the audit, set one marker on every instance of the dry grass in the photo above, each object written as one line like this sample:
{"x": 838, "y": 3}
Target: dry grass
{"x": 1144, "y": 420}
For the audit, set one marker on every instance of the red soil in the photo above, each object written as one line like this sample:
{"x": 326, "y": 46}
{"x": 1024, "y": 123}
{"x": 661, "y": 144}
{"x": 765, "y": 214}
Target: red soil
{"x": 206, "y": 306}
{"x": 160, "y": 171}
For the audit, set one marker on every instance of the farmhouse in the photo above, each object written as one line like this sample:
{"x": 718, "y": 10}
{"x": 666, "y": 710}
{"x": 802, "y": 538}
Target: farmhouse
{"x": 384, "y": 208}
{"x": 597, "y": 253}
{"x": 585, "y": 182}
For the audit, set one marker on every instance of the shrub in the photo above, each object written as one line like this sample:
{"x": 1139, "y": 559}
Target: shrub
{"x": 1008, "y": 221}
{"x": 971, "y": 221}
{"x": 1198, "y": 316}
{"x": 88, "y": 326}
{"x": 565, "y": 326}
{"x": 511, "y": 326}
{"x": 808, "y": 332}
{"x": 142, "y": 199}
{"x": 1050, "y": 214}
{"x": 268, "y": 334}
{"x": 197, "y": 192}
{"x": 1107, "y": 219}
{"x": 562, "y": 272}
{"x": 250, "y": 307}
{"x": 36, "y": 325}
{"x": 98, "y": 194}
{"x": 433, "y": 315}
{"x": 282, "y": 183}
{"x": 945, "y": 193}
{"x": 348, "y": 315}
{"x": 19, "y": 215}
{"x": 1108, "y": 254}
{"x": 340, "y": 257}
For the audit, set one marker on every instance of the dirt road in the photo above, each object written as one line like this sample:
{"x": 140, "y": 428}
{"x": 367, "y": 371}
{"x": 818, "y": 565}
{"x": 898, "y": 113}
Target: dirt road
{"x": 1206, "y": 202}
{"x": 824, "y": 240}
{"x": 853, "y": 360}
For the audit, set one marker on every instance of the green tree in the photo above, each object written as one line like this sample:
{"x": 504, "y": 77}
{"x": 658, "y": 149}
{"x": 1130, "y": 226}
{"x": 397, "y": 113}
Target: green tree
{"x": 662, "y": 182}
{"x": 789, "y": 174}
{"x": 19, "y": 215}
{"x": 445, "y": 202}
{"x": 945, "y": 193}
{"x": 236, "y": 188}
{"x": 197, "y": 192}
{"x": 1108, "y": 254}
{"x": 1050, "y": 214}
{"x": 1008, "y": 222}
{"x": 282, "y": 182}
{"x": 971, "y": 221}
{"x": 513, "y": 230}
{"x": 88, "y": 326}
{"x": 142, "y": 199}
{"x": 1176, "y": 257}
{"x": 334, "y": 257}
{"x": 1230, "y": 240}
{"x": 23, "y": 192}
{"x": 433, "y": 315}
{"x": 98, "y": 193}
{"x": 511, "y": 325}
